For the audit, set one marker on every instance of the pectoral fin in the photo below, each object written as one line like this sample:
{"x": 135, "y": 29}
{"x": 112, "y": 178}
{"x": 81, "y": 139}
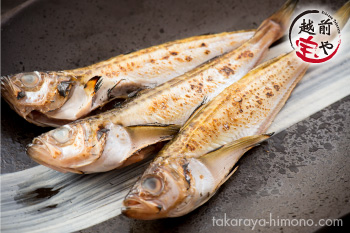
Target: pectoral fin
{"x": 145, "y": 135}
{"x": 221, "y": 161}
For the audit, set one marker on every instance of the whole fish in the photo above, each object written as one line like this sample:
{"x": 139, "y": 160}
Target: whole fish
{"x": 189, "y": 170}
{"x": 116, "y": 138}
{"x": 57, "y": 98}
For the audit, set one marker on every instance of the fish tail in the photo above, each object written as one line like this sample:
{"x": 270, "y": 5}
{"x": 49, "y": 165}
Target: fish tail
{"x": 343, "y": 14}
{"x": 281, "y": 17}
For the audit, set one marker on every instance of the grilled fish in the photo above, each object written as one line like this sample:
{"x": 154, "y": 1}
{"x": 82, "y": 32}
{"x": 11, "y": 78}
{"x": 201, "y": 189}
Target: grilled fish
{"x": 57, "y": 98}
{"x": 188, "y": 170}
{"x": 114, "y": 139}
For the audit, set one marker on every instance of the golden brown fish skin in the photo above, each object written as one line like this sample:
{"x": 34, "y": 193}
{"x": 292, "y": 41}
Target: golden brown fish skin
{"x": 248, "y": 102}
{"x": 106, "y": 66}
{"x": 199, "y": 83}
{"x": 153, "y": 106}
{"x": 171, "y": 103}
{"x": 114, "y": 78}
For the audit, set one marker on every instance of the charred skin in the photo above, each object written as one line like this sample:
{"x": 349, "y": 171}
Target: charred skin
{"x": 202, "y": 156}
{"x": 174, "y": 101}
{"x": 94, "y": 86}
{"x": 241, "y": 109}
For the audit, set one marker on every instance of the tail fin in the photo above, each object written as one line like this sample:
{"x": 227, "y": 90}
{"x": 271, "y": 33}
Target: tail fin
{"x": 343, "y": 14}
{"x": 281, "y": 17}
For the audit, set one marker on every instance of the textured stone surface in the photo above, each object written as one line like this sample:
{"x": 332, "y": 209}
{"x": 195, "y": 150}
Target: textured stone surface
{"x": 302, "y": 172}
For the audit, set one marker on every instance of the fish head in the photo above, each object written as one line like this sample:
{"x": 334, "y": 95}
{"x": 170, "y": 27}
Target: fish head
{"x": 32, "y": 93}
{"x": 157, "y": 193}
{"x": 68, "y": 148}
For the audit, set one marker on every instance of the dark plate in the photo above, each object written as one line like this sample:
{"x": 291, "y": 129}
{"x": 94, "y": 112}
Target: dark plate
{"x": 302, "y": 172}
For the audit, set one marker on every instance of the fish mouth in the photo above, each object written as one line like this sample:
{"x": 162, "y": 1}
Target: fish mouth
{"x": 40, "y": 153}
{"x": 140, "y": 209}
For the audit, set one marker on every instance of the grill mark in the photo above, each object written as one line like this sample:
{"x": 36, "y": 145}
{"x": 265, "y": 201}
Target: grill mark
{"x": 227, "y": 70}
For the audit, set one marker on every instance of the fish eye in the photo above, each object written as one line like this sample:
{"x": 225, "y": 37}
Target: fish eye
{"x": 30, "y": 79}
{"x": 152, "y": 184}
{"x": 61, "y": 135}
